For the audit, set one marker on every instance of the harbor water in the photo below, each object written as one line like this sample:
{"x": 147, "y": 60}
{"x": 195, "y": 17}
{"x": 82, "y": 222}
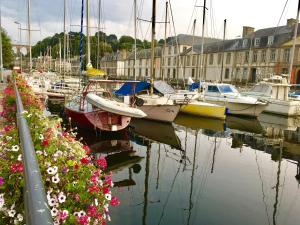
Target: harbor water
{"x": 203, "y": 171}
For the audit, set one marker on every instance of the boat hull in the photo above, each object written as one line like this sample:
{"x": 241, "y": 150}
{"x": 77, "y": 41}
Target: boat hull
{"x": 243, "y": 109}
{"x": 164, "y": 113}
{"x": 204, "y": 110}
{"x": 285, "y": 108}
{"x": 97, "y": 119}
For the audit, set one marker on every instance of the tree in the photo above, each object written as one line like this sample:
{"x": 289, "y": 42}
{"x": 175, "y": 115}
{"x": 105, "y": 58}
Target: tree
{"x": 7, "y": 52}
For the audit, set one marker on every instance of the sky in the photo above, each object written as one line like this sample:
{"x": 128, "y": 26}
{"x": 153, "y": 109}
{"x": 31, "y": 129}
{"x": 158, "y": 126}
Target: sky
{"x": 117, "y": 17}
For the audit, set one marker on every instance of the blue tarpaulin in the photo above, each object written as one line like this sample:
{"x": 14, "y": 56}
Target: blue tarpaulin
{"x": 132, "y": 88}
{"x": 194, "y": 86}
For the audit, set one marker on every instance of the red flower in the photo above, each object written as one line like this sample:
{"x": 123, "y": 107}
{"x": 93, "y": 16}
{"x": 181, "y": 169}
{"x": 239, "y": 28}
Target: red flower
{"x": 105, "y": 190}
{"x": 114, "y": 201}
{"x": 84, "y": 161}
{"x": 101, "y": 163}
{"x": 93, "y": 189}
{"x": 92, "y": 211}
{"x": 16, "y": 167}
{"x": 8, "y": 128}
{"x": 82, "y": 220}
{"x": 76, "y": 166}
{"x": 44, "y": 143}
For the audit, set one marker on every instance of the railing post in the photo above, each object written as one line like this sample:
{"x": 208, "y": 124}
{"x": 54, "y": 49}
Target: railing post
{"x": 35, "y": 201}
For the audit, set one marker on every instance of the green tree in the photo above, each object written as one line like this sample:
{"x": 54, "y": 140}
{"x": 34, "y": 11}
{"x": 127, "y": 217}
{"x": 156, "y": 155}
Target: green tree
{"x": 7, "y": 52}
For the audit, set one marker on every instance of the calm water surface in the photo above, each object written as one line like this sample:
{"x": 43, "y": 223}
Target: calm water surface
{"x": 200, "y": 171}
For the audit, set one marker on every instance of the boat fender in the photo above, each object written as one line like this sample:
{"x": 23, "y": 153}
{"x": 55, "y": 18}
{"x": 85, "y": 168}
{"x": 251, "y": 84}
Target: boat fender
{"x": 139, "y": 102}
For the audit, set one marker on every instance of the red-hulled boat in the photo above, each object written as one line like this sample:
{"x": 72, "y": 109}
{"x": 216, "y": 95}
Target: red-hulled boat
{"x": 85, "y": 115}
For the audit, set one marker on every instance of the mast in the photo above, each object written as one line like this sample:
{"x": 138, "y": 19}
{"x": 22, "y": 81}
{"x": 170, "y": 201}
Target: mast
{"x": 98, "y": 36}
{"x": 88, "y": 47}
{"x": 202, "y": 40}
{"x": 152, "y": 45}
{"x": 1, "y": 57}
{"x": 81, "y": 42}
{"x": 147, "y": 172}
{"x": 134, "y": 40}
{"x": 29, "y": 35}
{"x": 165, "y": 42}
{"x": 222, "y": 64}
{"x": 65, "y": 40}
{"x": 294, "y": 43}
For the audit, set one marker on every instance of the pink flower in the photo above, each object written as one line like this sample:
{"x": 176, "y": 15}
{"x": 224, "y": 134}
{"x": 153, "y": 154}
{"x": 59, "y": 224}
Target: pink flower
{"x": 16, "y": 167}
{"x": 91, "y": 211}
{"x": 1, "y": 181}
{"x": 93, "y": 189}
{"x": 114, "y": 201}
{"x": 105, "y": 190}
{"x": 87, "y": 149}
{"x": 62, "y": 215}
{"x": 101, "y": 162}
{"x": 82, "y": 220}
{"x": 8, "y": 128}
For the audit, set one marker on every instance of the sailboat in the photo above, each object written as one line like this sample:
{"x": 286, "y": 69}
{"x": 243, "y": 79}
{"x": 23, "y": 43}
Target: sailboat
{"x": 157, "y": 107}
{"x": 95, "y": 107}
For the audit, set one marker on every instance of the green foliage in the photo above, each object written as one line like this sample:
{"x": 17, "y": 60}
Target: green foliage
{"x": 7, "y": 52}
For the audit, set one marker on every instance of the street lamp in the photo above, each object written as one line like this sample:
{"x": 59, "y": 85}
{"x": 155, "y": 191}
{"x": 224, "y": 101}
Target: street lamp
{"x": 20, "y": 41}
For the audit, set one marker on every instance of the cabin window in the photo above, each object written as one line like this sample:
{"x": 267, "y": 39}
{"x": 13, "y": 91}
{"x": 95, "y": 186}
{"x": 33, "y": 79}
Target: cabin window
{"x": 211, "y": 59}
{"x": 228, "y": 57}
{"x": 213, "y": 89}
{"x": 270, "y": 40}
{"x": 225, "y": 89}
{"x": 257, "y": 42}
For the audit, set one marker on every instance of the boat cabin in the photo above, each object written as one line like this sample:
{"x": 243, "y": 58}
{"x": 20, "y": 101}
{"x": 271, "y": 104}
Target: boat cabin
{"x": 211, "y": 89}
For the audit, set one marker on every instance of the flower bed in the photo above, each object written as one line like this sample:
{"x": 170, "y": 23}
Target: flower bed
{"x": 78, "y": 191}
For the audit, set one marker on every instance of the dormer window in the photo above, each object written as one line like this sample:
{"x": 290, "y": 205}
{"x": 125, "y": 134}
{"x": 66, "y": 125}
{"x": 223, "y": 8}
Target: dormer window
{"x": 245, "y": 42}
{"x": 270, "y": 40}
{"x": 257, "y": 42}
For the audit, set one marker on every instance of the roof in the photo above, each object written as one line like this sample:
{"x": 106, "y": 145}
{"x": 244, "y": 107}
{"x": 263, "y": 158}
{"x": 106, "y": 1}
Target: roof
{"x": 145, "y": 53}
{"x": 186, "y": 39}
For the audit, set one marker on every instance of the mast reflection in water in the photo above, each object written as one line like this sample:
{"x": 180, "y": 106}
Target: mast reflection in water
{"x": 202, "y": 171}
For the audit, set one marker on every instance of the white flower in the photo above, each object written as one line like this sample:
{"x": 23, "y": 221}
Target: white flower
{"x": 104, "y": 216}
{"x": 29, "y": 115}
{"x": 106, "y": 207}
{"x": 11, "y": 213}
{"x": 52, "y": 170}
{"x": 20, "y": 157}
{"x": 52, "y": 202}
{"x": 24, "y": 112}
{"x": 1, "y": 202}
{"x": 41, "y": 137}
{"x": 54, "y": 212}
{"x": 20, "y": 217}
{"x": 57, "y": 154}
{"x": 108, "y": 218}
{"x": 81, "y": 213}
{"x": 56, "y": 222}
{"x": 61, "y": 197}
{"x": 108, "y": 197}
{"x": 8, "y": 138}
{"x": 76, "y": 214}
{"x": 96, "y": 202}
{"x": 55, "y": 179}
{"x": 39, "y": 152}
{"x": 15, "y": 148}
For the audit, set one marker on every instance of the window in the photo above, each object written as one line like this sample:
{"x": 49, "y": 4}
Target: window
{"x": 140, "y": 72}
{"x": 286, "y": 55}
{"x": 245, "y": 72}
{"x": 175, "y": 49}
{"x": 255, "y": 56}
{"x": 270, "y": 40}
{"x": 194, "y": 60}
{"x": 168, "y": 74}
{"x": 246, "y": 57}
{"x": 146, "y": 72}
{"x": 219, "y": 58}
{"x": 128, "y": 71}
{"x": 263, "y": 56}
{"x": 273, "y": 55}
{"x": 174, "y": 61}
{"x": 174, "y": 73}
{"x": 284, "y": 71}
{"x": 211, "y": 59}
{"x": 193, "y": 72}
{"x": 169, "y": 61}
{"x": 184, "y": 49}
{"x": 245, "y": 42}
{"x": 237, "y": 72}
{"x": 226, "y": 88}
{"x": 257, "y": 42}
{"x": 188, "y": 60}
{"x": 228, "y": 57}
{"x": 140, "y": 62}
{"x": 226, "y": 74}
{"x": 169, "y": 50}
{"x": 212, "y": 89}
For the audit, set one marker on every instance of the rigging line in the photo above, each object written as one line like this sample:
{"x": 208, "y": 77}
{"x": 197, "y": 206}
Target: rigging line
{"x": 280, "y": 17}
{"x": 166, "y": 202}
{"x": 262, "y": 187}
{"x": 192, "y": 16}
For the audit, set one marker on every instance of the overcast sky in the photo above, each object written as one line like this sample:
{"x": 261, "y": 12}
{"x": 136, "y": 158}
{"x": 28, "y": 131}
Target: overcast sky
{"x": 117, "y": 16}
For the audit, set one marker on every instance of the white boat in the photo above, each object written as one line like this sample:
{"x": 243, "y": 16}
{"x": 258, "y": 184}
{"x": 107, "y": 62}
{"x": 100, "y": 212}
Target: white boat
{"x": 275, "y": 90}
{"x": 227, "y": 95}
{"x": 113, "y": 106}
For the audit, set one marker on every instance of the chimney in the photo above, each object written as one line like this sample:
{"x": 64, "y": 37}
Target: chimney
{"x": 290, "y": 22}
{"x": 247, "y": 31}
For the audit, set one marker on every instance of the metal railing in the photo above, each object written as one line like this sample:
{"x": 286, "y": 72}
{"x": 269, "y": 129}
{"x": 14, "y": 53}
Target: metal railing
{"x": 37, "y": 211}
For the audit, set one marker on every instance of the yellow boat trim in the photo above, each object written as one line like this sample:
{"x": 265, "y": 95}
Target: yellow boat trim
{"x": 204, "y": 110}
